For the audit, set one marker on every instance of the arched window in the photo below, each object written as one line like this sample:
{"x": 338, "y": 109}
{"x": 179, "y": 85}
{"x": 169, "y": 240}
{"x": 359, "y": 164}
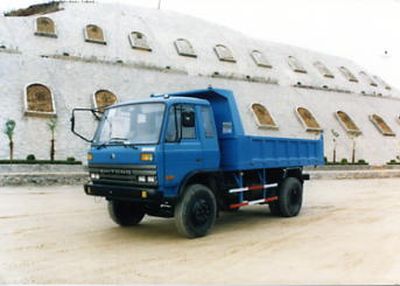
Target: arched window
{"x": 367, "y": 78}
{"x": 262, "y": 116}
{"x": 348, "y": 74}
{"x": 382, "y": 82}
{"x": 39, "y": 100}
{"x": 296, "y": 65}
{"x": 95, "y": 34}
{"x": 103, "y": 98}
{"x": 381, "y": 125}
{"x": 347, "y": 123}
{"x": 224, "y": 54}
{"x": 44, "y": 26}
{"x": 260, "y": 59}
{"x": 184, "y": 48}
{"x": 139, "y": 41}
{"x": 308, "y": 119}
{"x": 324, "y": 71}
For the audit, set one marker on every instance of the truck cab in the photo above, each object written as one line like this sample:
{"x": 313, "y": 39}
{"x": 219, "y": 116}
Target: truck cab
{"x": 185, "y": 155}
{"x": 150, "y": 146}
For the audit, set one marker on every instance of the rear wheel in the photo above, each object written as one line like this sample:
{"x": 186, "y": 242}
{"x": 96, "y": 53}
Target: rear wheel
{"x": 125, "y": 213}
{"x": 290, "y": 198}
{"x": 195, "y": 213}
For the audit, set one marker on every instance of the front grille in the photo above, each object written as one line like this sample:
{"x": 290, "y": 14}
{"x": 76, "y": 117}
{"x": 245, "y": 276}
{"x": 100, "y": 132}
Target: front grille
{"x": 123, "y": 175}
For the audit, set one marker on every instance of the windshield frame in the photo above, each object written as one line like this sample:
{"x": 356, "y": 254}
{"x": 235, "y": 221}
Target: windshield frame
{"x": 102, "y": 120}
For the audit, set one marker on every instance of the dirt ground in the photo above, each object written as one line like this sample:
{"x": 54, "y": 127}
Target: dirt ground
{"x": 347, "y": 232}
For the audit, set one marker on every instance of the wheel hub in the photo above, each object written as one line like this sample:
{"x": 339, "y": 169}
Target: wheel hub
{"x": 201, "y": 212}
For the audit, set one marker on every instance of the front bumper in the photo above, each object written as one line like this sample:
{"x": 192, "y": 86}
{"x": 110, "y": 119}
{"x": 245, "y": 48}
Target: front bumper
{"x": 126, "y": 193}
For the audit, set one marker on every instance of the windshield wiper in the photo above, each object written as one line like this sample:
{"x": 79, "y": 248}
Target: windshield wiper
{"x": 122, "y": 141}
{"x": 118, "y": 140}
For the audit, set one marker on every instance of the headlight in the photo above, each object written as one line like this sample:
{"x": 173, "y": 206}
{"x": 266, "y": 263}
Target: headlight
{"x": 94, "y": 176}
{"x": 142, "y": 179}
{"x": 151, "y": 179}
{"x": 146, "y": 157}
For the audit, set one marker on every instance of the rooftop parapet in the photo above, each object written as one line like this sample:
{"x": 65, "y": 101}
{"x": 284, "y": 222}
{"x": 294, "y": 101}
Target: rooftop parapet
{"x": 42, "y": 8}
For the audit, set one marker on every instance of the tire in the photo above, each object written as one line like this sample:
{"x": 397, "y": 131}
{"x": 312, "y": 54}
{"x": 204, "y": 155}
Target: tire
{"x": 196, "y": 211}
{"x": 290, "y": 197}
{"x": 275, "y": 208}
{"x": 125, "y": 213}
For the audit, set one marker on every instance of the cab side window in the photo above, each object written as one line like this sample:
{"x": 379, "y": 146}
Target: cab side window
{"x": 181, "y": 123}
{"x": 207, "y": 122}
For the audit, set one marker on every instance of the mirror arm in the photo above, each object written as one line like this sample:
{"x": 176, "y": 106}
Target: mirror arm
{"x": 73, "y": 123}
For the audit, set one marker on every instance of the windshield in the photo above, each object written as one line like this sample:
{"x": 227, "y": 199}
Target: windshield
{"x": 131, "y": 124}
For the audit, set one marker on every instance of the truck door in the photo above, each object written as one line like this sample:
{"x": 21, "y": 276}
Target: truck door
{"x": 182, "y": 146}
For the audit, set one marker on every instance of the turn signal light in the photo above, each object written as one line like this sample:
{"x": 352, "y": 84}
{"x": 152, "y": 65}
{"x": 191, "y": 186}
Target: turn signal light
{"x": 146, "y": 157}
{"x": 169, "y": 177}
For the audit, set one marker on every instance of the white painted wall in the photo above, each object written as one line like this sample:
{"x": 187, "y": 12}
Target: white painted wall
{"x": 74, "y": 81}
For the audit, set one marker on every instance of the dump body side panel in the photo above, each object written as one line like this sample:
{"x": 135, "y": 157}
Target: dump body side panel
{"x": 254, "y": 152}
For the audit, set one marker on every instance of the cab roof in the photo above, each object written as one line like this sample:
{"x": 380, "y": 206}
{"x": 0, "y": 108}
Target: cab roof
{"x": 172, "y": 98}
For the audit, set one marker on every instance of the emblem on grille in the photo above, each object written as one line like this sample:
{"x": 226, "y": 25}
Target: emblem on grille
{"x": 112, "y": 156}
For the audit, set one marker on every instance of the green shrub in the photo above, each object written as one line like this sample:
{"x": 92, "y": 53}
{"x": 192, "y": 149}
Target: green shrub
{"x": 30, "y": 157}
{"x": 70, "y": 159}
{"x": 344, "y": 161}
{"x": 362, "y": 162}
{"x": 393, "y": 162}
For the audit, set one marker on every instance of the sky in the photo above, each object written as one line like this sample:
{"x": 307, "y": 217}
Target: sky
{"x": 366, "y": 31}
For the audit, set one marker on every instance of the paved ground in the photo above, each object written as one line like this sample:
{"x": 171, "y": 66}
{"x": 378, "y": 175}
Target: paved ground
{"x": 348, "y": 232}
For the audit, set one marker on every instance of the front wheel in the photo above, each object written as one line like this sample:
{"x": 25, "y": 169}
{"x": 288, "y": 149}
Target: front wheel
{"x": 196, "y": 211}
{"x": 125, "y": 213}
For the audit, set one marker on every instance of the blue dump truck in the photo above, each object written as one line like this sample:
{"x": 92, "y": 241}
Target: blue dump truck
{"x": 186, "y": 155}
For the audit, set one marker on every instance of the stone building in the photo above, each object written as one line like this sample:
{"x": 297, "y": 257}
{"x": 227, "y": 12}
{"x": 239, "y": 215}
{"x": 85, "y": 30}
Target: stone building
{"x": 57, "y": 56}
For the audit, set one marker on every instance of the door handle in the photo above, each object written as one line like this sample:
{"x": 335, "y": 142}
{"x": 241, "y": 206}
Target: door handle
{"x": 198, "y": 160}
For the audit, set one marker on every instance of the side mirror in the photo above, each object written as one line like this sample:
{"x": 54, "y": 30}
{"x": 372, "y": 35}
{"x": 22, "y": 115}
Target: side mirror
{"x": 188, "y": 119}
{"x": 81, "y": 112}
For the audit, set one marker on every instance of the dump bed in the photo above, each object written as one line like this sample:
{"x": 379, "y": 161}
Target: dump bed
{"x": 252, "y": 152}
{"x": 243, "y": 152}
